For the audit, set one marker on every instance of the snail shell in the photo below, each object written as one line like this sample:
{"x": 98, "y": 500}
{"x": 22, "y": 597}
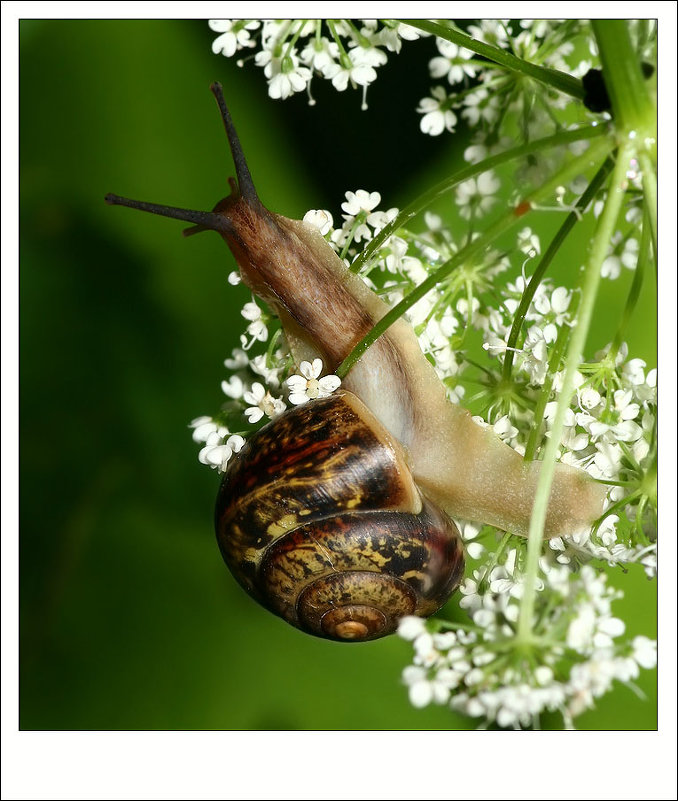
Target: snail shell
{"x": 320, "y": 520}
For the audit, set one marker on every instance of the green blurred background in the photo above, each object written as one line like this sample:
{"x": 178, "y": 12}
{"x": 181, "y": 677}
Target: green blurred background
{"x": 129, "y": 619}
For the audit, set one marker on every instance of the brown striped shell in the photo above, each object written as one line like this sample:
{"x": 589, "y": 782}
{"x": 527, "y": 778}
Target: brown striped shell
{"x": 319, "y": 519}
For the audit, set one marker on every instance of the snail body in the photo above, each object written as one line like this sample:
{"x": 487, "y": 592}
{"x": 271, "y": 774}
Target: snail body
{"x": 455, "y": 467}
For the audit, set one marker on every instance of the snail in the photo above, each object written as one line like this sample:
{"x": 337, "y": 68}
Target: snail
{"x": 338, "y": 514}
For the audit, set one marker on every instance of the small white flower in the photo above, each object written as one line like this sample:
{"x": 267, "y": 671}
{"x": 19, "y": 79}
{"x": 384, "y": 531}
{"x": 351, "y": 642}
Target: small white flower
{"x": 581, "y": 630}
{"x": 421, "y": 693}
{"x": 396, "y": 259}
{"x": 476, "y": 195}
{"x": 368, "y": 56}
{"x": 623, "y": 253}
{"x": 204, "y": 426}
{"x": 288, "y": 81}
{"x": 623, "y": 405}
{"x": 308, "y": 385}
{"x": 235, "y": 34}
{"x": 379, "y": 219}
{"x": 634, "y": 371}
{"x": 263, "y": 403}
{"x": 257, "y": 328}
{"x": 608, "y": 628}
{"x": 391, "y": 37}
{"x": 410, "y": 627}
{"x": 320, "y": 55}
{"x": 555, "y": 303}
{"x": 490, "y": 31}
{"x": 475, "y": 153}
{"x": 649, "y": 563}
{"x": 480, "y": 105}
{"x": 438, "y": 116}
{"x": 543, "y": 675}
{"x": 238, "y": 361}
{"x": 589, "y": 398}
{"x": 536, "y": 343}
{"x": 216, "y": 453}
{"x": 645, "y": 651}
{"x": 250, "y": 311}
{"x": 320, "y": 219}
{"x": 234, "y": 387}
{"x": 357, "y": 72}
{"x": 285, "y": 73}
{"x": 358, "y": 201}
{"x": 359, "y": 207}
{"x": 452, "y": 62}
{"x": 271, "y": 375}
{"x": 528, "y": 242}
{"x": 505, "y": 429}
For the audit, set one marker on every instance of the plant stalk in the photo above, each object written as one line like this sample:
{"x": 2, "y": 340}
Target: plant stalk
{"x": 591, "y": 281}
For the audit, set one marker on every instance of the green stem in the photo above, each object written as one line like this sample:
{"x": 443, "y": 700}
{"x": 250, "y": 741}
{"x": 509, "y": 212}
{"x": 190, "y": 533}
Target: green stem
{"x": 591, "y": 281}
{"x": 633, "y": 108}
{"x": 511, "y": 219}
{"x": 558, "y": 80}
{"x": 493, "y": 561}
{"x": 545, "y": 394}
{"x": 634, "y": 292}
{"x": 343, "y": 55}
{"x": 627, "y": 500}
{"x": 649, "y": 173}
{"x": 558, "y": 239}
{"x": 363, "y": 41}
{"x": 293, "y": 40}
{"x": 428, "y": 197}
{"x": 359, "y": 220}
{"x": 280, "y": 40}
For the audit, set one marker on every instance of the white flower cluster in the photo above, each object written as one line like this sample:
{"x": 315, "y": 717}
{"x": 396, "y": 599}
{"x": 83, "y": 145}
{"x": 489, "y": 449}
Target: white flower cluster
{"x": 348, "y": 53}
{"x": 486, "y": 672}
{"x": 219, "y": 443}
{"x": 261, "y": 384}
{"x": 361, "y": 221}
{"x": 623, "y": 253}
{"x": 609, "y": 431}
{"x": 255, "y": 390}
{"x": 293, "y": 52}
{"x": 404, "y": 260}
{"x": 482, "y": 93}
{"x": 609, "y": 428}
{"x": 546, "y": 314}
{"x": 486, "y": 667}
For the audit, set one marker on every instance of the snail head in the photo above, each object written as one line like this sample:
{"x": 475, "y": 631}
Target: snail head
{"x": 232, "y": 215}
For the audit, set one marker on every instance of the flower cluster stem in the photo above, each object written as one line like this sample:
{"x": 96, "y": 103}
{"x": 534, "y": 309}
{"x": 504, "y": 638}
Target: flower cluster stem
{"x": 591, "y": 281}
{"x": 588, "y": 195}
{"x": 427, "y": 198}
{"x": 558, "y": 80}
{"x": 598, "y": 149}
{"x": 633, "y": 108}
{"x": 634, "y": 292}
{"x": 545, "y": 394}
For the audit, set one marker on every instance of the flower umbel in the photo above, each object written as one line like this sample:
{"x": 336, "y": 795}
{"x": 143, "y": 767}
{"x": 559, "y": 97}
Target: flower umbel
{"x": 539, "y": 629}
{"x": 485, "y": 672}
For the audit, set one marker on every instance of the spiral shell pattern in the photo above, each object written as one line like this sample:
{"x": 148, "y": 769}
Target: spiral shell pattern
{"x": 319, "y": 520}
